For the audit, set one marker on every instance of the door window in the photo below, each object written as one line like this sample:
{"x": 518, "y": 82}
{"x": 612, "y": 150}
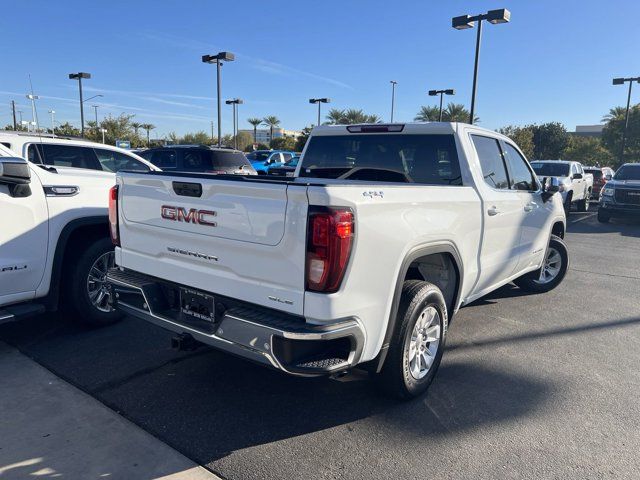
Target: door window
{"x": 286, "y": 156}
{"x": 275, "y": 158}
{"x": 164, "y": 159}
{"x": 70, "y": 156}
{"x": 196, "y": 161}
{"x": 113, "y": 161}
{"x": 492, "y": 163}
{"x": 522, "y": 177}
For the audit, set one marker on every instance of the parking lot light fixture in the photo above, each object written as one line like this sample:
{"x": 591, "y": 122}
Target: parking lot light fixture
{"x": 463, "y": 22}
{"x": 218, "y": 59}
{"x": 79, "y": 76}
{"x": 319, "y": 101}
{"x": 234, "y": 103}
{"x": 622, "y": 81}
{"x": 448, "y": 91}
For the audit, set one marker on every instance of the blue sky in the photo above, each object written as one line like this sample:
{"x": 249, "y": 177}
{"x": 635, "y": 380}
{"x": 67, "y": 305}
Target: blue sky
{"x": 553, "y": 61}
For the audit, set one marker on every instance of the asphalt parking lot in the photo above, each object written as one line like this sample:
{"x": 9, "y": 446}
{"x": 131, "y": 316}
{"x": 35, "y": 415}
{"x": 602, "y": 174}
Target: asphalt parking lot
{"x": 531, "y": 386}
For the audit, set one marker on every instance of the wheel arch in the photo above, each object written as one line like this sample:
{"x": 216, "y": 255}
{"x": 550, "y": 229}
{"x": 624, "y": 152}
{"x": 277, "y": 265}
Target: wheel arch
{"x": 73, "y": 234}
{"x": 422, "y": 255}
{"x": 558, "y": 229}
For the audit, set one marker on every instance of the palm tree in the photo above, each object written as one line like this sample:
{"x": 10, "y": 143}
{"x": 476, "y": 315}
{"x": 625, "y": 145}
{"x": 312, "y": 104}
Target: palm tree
{"x": 255, "y": 122}
{"x": 427, "y": 114}
{"x": 148, "y": 127}
{"x": 335, "y": 116}
{"x": 616, "y": 113}
{"x": 136, "y": 126}
{"x": 456, "y": 112}
{"x": 271, "y": 121}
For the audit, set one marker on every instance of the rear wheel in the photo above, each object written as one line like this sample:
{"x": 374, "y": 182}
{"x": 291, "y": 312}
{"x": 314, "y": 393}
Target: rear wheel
{"x": 418, "y": 341}
{"x": 603, "y": 217}
{"x": 552, "y": 272}
{"x": 87, "y": 297}
{"x": 583, "y": 206}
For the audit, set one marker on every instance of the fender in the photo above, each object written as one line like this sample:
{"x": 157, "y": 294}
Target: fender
{"x": 52, "y": 298}
{"x": 412, "y": 255}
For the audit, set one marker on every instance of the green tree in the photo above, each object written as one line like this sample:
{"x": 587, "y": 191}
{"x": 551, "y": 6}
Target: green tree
{"x": 136, "y": 126}
{"x": 350, "y": 116}
{"x": 427, "y": 114}
{"x": 301, "y": 141}
{"x": 67, "y": 130}
{"x": 335, "y": 116}
{"x": 195, "y": 138}
{"x": 612, "y": 136}
{"x": 148, "y": 127}
{"x": 615, "y": 113}
{"x": 522, "y": 136}
{"x": 588, "y": 151}
{"x": 549, "y": 140}
{"x": 271, "y": 122}
{"x": 283, "y": 143}
{"x": 244, "y": 140}
{"x": 255, "y": 122}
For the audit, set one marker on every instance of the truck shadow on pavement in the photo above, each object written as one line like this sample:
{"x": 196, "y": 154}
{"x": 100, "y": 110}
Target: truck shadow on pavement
{"x": 207, "y": 404}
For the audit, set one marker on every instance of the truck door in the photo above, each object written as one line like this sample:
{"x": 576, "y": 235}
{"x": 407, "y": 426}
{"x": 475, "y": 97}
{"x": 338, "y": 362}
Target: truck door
{"x": 24, "y": 237}
{"x": 503, "y": 215}
{"x": 534, "y": 235}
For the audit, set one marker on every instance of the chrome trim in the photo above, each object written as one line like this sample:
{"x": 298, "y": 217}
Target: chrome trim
{"x": 232, "y": 329}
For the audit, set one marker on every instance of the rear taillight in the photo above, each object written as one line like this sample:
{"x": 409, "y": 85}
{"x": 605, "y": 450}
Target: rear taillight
{"x": 113, "y": 216}
{"x": 329, "y": 239}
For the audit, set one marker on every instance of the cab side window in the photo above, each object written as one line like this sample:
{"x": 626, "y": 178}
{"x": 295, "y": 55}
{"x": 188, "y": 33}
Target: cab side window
{"x": 522, "y": 177}
{"x": 113, "y": 161}
{"x": 70, "y": 156}
{"x": 164, "y": 159}
{"x": 492, "y": 163}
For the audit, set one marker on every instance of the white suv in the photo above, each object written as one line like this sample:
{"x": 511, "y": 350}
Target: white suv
{"x": 78, "y": 153}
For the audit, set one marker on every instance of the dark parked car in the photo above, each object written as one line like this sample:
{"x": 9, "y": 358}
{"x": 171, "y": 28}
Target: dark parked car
{"x": 601, "y": 175}
{"x": 199, "y": 158}
{"x": 287, "y": 170}
{"x": 621, "y": 195}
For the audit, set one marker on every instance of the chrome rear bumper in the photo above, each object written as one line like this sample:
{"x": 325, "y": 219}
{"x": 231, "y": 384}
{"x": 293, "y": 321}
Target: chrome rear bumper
{"x": 266, "y": 336}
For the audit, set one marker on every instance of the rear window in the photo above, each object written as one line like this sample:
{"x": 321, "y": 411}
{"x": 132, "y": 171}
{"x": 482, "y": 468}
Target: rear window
{"x": 596, "y": 172}
{"x": 427, "y": 159}
{"x": 228, "y": 159}
{"x": 551, "y": 169}
{"x": 258, "y": 156}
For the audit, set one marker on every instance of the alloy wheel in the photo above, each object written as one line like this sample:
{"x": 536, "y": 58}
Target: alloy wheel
{"x": 97, "y": 289}
{"x": 424, "y": 343}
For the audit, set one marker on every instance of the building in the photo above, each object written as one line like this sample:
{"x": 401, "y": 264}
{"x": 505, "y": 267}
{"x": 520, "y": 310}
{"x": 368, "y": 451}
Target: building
{"x": 263, "y": 135}
{"x": 588, "y": 130}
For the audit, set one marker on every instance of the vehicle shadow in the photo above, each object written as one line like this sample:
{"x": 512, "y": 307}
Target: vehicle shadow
{"x": 627, "y": 227}
{"x": 207, "y": 404}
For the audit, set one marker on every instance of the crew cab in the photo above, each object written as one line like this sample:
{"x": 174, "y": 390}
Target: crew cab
{"x": 620, "y": 197}
{"x": 360, "y": 259}
{"x": 575, "y": 184}
{"x": 54, "y": 241}
{"x": 199, "y": 158}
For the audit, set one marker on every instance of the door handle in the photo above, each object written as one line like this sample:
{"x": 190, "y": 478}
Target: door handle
{"x": 493, "y": 211}
{"x": 528, "y": 207}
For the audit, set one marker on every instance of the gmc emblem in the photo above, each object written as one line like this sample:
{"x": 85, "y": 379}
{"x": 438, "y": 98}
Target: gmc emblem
{"x": 193, "y": 215}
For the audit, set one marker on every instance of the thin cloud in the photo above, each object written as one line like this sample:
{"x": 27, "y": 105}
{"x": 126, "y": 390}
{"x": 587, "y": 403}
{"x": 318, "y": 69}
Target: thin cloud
{"x": 263, "y": 65}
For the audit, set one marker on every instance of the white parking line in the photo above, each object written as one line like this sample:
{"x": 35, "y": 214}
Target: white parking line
{"x": 589, "y": 215}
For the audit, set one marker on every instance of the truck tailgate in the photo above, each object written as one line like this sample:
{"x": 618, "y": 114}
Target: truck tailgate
{"x": 240, "y": 239}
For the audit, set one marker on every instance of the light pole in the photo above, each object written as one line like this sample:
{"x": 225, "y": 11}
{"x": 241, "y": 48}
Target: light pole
{"x": 319, "y": 101}
{"x": 79, "y": 76}
{"x": 103, "y": 130}
{"x": 466, "y": 21}
{"x": 621, "y": 81}
{"x": 95, "y": 109}
{"x": 433, "y": 93}
{"x": 34, "y": 120}
{"x": 393, "y": 96}
{"x": 218, "y": 59}
{"x": 53, "y": 122}
{"x": 234, "y": 103}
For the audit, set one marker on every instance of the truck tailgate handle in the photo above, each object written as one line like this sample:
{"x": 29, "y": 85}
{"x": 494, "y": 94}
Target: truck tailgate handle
{"x": 187, "y": 189}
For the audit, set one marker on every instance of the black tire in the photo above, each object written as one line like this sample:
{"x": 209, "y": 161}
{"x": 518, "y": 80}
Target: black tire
{"x": 583, "y": 206}
{"x": 531, "y": 281}
{"x": 75, "y": 300}
{"x": 396, "y": 377}
{"x": 603, "y": 217}
{"x": 567, "y": 203}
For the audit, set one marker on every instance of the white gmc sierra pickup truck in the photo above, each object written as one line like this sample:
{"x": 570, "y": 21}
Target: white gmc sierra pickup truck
{"x": 362, "y": 258}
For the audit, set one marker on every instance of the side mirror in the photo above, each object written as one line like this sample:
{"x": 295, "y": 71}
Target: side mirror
{"x": 577, "y": 176}
{"x": 608, "y": 177}
{"x": 15, "y": 172}
{"x": 550, "y": 186}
